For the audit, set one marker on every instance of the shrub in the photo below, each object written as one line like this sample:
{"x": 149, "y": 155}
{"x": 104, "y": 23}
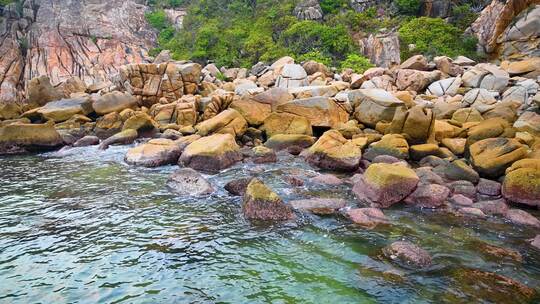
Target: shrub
{"x": 356, "y": 62}
{"x": 463, "y": 16}
{"x": 158, "y": 19}
{"x": 432, "y": 37}
{"x": 316, "y": 56}
{"x": 408, "y": 7}
{"x": 333, "y": 6}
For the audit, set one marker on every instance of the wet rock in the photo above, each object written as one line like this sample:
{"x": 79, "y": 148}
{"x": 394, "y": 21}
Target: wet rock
{"x": 326, "y": 179}
{"x": 427, "y": 176}
{"x": 227, "y": 122}
{"x": 113, "y": 102}
{"x": 154, "y": 153}
{"x": 493, "y": 207}
{"x": 140, "y": 122}
{"x": 488, "y": 187}
{"x": 407, "y": 255}
{"x": 88, "y": 140}
{"x": 490, "y": 157}
{"x": 473, "y": 212}
{"x": 263, "y": 155}
{"x": 458, "y": 170}
{"x": 496, "y": 253}
{"x": 460, "y": 200}
{"x": 521, "y": 217}
{"x": 238, "y": 186}
{"x": 536, "y": 242}
{"x": 319, "y": 206}
{"x": 428, "y": 196}
{"x": 261, "y": 203}
{"x": 125, "y": 137}
{"x": 20, "y": 137}
{"x": 186, "y": 181}
{"x": 463, "y": 187}
{"x": 386, "y": 184}
{"x": 367, "y": 217}
{"x": 522, "y": 182}
{"x": 333, "y": 152}
{"x": 211, "y": 153}
{"x": 287, "y": 141}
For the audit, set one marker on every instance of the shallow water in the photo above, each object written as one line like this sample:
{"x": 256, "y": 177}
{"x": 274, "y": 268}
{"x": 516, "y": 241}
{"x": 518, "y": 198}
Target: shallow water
{"x": 84, "y": 227}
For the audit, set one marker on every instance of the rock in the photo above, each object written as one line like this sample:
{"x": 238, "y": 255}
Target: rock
{"x": 416, "y": 124}
{"x": 456, "y": 145}
{"x": 21, "y": 137}
{"x": 219, "y": 101}
{"x": 186, "y": 181}
{"x": 528, "y": 122}
{"x": 461, "y": 200}
{"x": 308, "y": 10}
{"x": 254, "y": 112}
{"x": 467, "y": 115}
{"x": 88, "y": 140}
{"x": 486, "y": 76}
{"x": 493, "y": 207}
{"x": 489, "y": 128}
{"x": 490, "y": 157}
{"x": 413, "y": 80}
{"x": 114, "y": 102}
{"x": 448, "y": 66}
{"x": 458, "y": 170}
{"x": 407, "y": 255}
{"x": 367, "y": 217}
{"x": 226, "y": 122}
{"x": 313, "y": 67}
{"x": 469, "y": 211}
{"x": 522, "y": 182}
{"x": 320, "y": 111}
{"x": 108, "y": 125}
{"x": 155, "y": 153}
{"x": 262, "y": 154}
{"x": 488, "y": 187}
{"x": 536, "y": 242}
{"x": 285, "y": 141}
{"x": 292, "y": 76}
{"x": 171, "y": 134}
{"x": 386, "y": 184}
{"x": 417, "y": 152}
{"x": 261, "y": 203}
{"x": 285, "y": 123}
{"x": 416, "y": 62}
{"x": 479, "y": 99}
{"x": 523, "y": 66}
{"x": 428, "y": 196}
{"x": 382, "y": 49}
{"x": 521, "y": 217}
{"x": 448, "y": 86}
{"x": 125, "y": 137}
{"x": 40, "y": 91}
{"x": 374, "y": 105}
{"x": 211, "y": 153}
{"x": 326, "y": 179}
{"x": 62, "y": 110}
{"x": 319, "y": 206}
{"x": 140, "y": 122}
{"x": 496, "y": 253}
{"x": 333, "y": 152}
{"x": 238, "y": 186}
{"x": 391, "y": 144}
{"x": 427, "y": 176}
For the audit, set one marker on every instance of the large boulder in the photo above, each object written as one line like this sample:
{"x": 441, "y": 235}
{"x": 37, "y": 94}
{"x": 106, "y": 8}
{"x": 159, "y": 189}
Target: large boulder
{"x": 140, "y": 121}
{"x": 416, "y": 124}
{"x": 20, "y": 137}
{"x": 528, "y": 122}
{"x": 285, "y": 123}
{"x": 62, "y": 110}
{"x": 522, "y": 182}
{"x": 486, "y": 76}
{"x": 413, "y": 80}
{"x": 262, "y": 204}
{"x": 391, "y": 144}
{"x": 113, "y": 102}
{"x": 333, "y": 152}
{"x": 374, "y": 105}
{"x": 226, "y": 122}
{"x": 490, "y": 157}
{"x": 154, "y": 153}
{"x": 125, "y": 137}
{"x": 285, "y": 141}
{"x": 292, "y": 76}
{"x": 253, "y": 111}
{"x": 386, "y": 184}
{"x": 320, "y": 111}
{"x": 448, "y": 86}
{"x": 490, "y": 128}
{"x": 186, "y": 181}
{"x": 40, "y": 91}
{"x": 211, "y": 153}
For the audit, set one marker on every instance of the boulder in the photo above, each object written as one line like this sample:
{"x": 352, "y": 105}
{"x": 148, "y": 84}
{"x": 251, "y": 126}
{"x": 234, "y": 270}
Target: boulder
{"x": 413, "y": 80}
{"x": 416, "y": 62}
{"x": 263, "y": 204}
{"x": 492, "y": 207}
{"x": 448, "y": 66}
{"x": 154, "y": 153}
{"x": 416, "y": 125}
{"x": 125, "y": 137}
{"x": 262, "y": 154}
{"x": 285, "y": 123}
{"x": 319, "y": 206}
{"x": 40, "y": 91}
{"x": 386, "y": 184}
{"x": 211, "y": 153}
{"x": 522, "y": 217}
{"x": 488, "y": 187}
{"x": 292, "y": 76}
{"x": 254, "y": 112}
{"x": 333, "y": 152}
{"x": 528, "y": 122}
{"x": 522, "y": 182}
{"x": 367, "y": 217}
{"x": 64, "y": 109}
{"x": 320, "y": 111}
{"x": 226, "y": 122}
{"x": 391, "y": 144}
{"x": 459, "y": 170}
{"x": 489, "y": 128}
{"x": 428, "y": 196}
{"x": 448, "y": 86}
{"x": 536, "y": 242}
{"x": 238, "y": 186}
{"x": 490, "y": 157}
{"x": 374, "y": 105}
{"x": 455, "y": 145}
{"x": 186, "y": 181}
{"x": 479, "y": 99}
{"x": 285, "y": 141}
{"x": 21, "y": 137}
{"x": 88, "y": 140}
{"x": 113, "y": 102}
{"x": 407, "y": 255}
{"x": 467, "y": 115}
{"x": 140, "y": 121}
{"x": 108, "y": 125}
{"x": 218, "y": 102}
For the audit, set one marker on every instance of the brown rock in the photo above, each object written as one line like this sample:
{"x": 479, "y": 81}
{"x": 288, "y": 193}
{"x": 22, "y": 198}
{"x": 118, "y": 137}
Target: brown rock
{"x": 263, "y": 204}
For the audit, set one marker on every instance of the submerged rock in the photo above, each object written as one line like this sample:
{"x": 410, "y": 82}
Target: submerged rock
{"x": 407, "y": 255}
{"x": 261, "y": 203}
{"x": 238, "y": 186}
{"x": 320, "y": 206}
{"x": 428, "y": 196}
{"x": 88, "y": 140}
{"x": 521, "y": 217}
{"x": 186, "y": 181}
{"x": 367, "y": 217}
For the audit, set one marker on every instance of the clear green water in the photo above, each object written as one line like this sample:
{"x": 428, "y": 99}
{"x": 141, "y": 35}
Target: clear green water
{"x": 86, "y": 228}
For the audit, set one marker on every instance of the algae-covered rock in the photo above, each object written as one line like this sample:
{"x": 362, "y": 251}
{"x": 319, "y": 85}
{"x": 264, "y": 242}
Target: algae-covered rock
{"x": 226, "y": 122}
{"x": 123, "y": 138}
{"x": 186, "y": 181}
{"x": 319, "y": 206}
{"x": 140, "y": 122}
{"x": 391, "y": 144}
{"x": 20, "y": 137}
{"x": 261, "y": 203}
{"x": 285, "y": 141}
{"x": 285, "y": 123}
{"x": 211, "y": 153}
{"x": 490, "y": 157}
{"x": 333, "y": 152}
{"x": 522, "y": 182}
{"x": 416, "y": 124}
{"x": 386, "y": 184}
{"x": 407, "y": 255}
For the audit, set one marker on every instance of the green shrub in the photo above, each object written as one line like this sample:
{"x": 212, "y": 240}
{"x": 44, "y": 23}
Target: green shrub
{"x": 316, "y": 56}
{"x": 358, "y": 63}
{"x": 333, "y": 6}
{"x": 463, "y": 16}
{"x": 432, "y": 37}
{"x": 158, "y": 19}
{"x": 408, "y": 7}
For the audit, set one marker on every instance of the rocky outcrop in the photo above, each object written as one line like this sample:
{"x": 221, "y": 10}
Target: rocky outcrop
{"x": 381, "y": 49}
{"x": 16, "y": 138}
{"x": 308, "y": 10}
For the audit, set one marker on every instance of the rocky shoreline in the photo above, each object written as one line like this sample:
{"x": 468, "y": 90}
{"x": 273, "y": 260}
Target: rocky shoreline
{"x": 448, "y": 134}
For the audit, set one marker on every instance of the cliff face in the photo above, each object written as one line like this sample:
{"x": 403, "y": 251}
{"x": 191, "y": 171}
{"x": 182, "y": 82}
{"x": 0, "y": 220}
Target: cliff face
{"x": 64, "y": 38}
